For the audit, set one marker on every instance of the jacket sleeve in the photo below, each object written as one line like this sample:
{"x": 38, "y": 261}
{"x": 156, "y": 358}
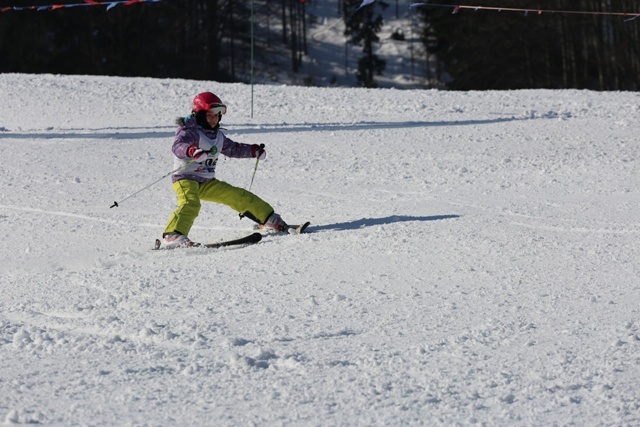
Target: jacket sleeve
{"x": 231, "y": 148}
{"x": 186, "y": 136}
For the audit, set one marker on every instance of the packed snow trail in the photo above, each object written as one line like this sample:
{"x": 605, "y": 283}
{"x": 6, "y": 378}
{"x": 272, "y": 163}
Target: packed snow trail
{"x": 472, "y": 259}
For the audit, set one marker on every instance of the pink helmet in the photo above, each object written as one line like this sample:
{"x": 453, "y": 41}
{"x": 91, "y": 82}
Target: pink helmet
{"x": 206, "y": 101}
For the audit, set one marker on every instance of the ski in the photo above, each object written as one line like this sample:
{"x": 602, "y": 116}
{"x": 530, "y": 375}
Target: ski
{"x": 299, "y": 229}
{"x": 246, "y": 240}
{"x": 291, "y": 229}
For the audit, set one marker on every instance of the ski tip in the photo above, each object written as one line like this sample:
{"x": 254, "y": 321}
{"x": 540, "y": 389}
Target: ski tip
{"x": 303, "y": 227}
{"x": 299, "y": 229}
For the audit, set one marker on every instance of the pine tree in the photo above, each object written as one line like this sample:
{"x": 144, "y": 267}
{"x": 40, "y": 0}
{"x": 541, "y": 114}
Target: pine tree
{"x": 362, "y": 26}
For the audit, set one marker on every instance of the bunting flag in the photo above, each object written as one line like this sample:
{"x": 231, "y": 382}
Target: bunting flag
{"x": 365, "y": 3}
{"x": 50, "y": 7}
{"x": 456, "y": 8}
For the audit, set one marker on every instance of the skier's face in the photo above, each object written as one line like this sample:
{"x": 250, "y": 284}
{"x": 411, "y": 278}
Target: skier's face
{"x": 212, "y": 118}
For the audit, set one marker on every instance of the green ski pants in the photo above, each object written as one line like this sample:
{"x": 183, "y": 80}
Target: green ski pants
{"x": 190, "y": 193}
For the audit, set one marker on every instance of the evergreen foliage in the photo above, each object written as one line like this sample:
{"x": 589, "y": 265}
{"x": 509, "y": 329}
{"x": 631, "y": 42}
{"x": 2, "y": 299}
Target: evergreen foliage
{"x": 509, "y": 50}
{"x": 362, "y": 26}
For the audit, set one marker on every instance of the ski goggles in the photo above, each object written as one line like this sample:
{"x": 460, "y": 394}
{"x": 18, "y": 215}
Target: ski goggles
{"x": 218, "y": 108}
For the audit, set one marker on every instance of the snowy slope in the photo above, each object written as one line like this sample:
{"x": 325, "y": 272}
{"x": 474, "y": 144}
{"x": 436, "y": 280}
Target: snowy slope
{"x": 473, "y": 259}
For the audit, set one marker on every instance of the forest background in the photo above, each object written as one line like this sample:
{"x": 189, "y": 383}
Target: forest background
{"x": 548, "y": 46}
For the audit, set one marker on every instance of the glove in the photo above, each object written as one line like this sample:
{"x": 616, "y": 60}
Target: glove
{"x": 197, "y": 154}
{"x": 200, "y": 155}
{"x": 258, "y": 151}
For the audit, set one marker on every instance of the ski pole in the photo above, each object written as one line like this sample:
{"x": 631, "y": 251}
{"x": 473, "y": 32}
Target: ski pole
{"x": 115, "y": 204}
{"x": 255, "y": 169}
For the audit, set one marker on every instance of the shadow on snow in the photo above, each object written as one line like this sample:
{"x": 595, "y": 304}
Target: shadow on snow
{"x": 152, "y": 132}
{"x": 371, "y": 222}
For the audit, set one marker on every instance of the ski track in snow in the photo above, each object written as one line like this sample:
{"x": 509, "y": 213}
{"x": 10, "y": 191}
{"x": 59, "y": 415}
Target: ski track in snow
{"x": 472, "y": 259}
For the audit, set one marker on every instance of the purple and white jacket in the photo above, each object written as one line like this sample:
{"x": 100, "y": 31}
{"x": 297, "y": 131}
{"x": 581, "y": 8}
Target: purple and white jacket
{"x": 188, "y": 134}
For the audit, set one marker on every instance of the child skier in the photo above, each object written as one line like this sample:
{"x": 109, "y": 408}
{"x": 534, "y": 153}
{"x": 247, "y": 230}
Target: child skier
{"x": 197, "y": 145}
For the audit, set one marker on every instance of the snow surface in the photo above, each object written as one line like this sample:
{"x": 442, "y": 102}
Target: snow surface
{"x": 472, "y": 259}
